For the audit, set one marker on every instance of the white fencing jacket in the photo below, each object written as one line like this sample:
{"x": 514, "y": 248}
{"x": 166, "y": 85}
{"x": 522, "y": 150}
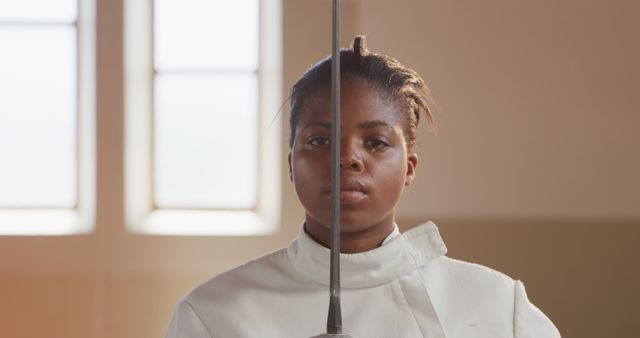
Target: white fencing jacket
{"x": 404, "y": 288}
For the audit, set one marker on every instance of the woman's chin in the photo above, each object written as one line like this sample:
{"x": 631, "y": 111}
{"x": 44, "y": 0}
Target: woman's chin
{"x": 351, "y": 221}
{"x": 353, "y": 224}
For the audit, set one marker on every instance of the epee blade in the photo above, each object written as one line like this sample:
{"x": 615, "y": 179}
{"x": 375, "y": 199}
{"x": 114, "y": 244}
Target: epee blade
{"x": 334, "y": 320}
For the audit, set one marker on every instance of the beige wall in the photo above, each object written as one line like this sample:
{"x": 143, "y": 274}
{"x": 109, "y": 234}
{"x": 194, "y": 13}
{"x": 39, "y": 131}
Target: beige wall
{"x": 533, "y": 171}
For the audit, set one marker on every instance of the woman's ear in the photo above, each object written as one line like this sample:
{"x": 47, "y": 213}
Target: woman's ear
{"x": 412, "y": 163}
{"x": 290, "y": 172}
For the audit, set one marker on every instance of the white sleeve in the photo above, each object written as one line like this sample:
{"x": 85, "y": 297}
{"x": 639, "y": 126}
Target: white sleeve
{"x": 186, "y": 323}
{"x": 528, "y": 320}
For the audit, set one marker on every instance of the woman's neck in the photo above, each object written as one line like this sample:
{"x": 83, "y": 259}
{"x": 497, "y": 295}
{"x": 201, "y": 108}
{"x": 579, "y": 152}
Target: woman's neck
{"x": 351, "y": 242}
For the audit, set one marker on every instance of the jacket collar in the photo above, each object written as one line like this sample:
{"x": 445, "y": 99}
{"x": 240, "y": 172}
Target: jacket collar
{"x": 397, "y": 258}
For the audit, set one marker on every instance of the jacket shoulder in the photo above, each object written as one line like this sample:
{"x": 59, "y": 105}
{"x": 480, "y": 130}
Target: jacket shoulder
{"x": 474, "y": 275}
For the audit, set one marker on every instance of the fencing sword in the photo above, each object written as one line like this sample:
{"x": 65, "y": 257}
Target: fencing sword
{"x": 334, "y": 318}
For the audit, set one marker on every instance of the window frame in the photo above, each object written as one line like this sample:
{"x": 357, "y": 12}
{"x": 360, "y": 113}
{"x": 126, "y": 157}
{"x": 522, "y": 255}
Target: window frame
{"x": 141, "y": 215}
{"x": 81, "y": 218}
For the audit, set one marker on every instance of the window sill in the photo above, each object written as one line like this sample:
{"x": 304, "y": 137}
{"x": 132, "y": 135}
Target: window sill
{"x": 203, "y": 223}
{"x": 44, "y": 222}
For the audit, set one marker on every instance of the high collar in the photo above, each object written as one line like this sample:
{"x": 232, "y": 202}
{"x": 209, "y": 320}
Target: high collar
{"x": 397, "y": 258}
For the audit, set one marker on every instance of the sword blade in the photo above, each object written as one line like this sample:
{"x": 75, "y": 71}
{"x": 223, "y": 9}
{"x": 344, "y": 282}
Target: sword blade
{"x": 334, "y": 320}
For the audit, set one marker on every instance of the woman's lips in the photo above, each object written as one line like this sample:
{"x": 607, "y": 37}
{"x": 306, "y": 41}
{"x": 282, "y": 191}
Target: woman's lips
{"x": 348, "y": 196}
{"x": 351, "y": 191}
{"x": 351, "y": 196}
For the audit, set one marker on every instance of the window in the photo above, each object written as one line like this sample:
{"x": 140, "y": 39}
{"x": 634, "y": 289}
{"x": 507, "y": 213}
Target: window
{"x": 47, "y": 180}
{"x": 202, "y": 90}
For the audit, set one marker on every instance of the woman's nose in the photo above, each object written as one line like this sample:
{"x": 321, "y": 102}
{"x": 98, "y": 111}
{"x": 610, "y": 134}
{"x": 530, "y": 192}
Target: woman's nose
{"x": 350, "y": 157}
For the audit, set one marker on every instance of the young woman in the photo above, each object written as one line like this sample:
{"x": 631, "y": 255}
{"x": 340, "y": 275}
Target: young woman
{"x": 393, "y": 285}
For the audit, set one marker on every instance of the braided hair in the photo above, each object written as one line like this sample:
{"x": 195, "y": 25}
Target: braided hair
{"x": 402, "y": 85}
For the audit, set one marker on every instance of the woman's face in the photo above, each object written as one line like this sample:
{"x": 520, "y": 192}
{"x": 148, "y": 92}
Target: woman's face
{"x": 375, "y": 166}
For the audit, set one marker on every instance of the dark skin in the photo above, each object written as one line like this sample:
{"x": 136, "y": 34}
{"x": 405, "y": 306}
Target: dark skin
{"x": 375, "y": 165}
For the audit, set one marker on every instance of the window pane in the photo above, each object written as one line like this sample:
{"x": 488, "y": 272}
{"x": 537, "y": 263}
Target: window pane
{"x": 205, "y": 141}
{"x": 37, "y": 117}
{"x": 38, "y": 10}
{"x": 205, "y": 34}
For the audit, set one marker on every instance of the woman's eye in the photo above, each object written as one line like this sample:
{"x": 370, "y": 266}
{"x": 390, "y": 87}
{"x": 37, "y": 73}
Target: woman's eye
{"x": 376, "y": 144}
{"x": 319, "y": 141}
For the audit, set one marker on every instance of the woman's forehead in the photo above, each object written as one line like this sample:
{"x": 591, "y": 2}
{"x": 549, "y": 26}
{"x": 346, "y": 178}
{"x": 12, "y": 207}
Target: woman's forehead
{"x": 360, "y": 103}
